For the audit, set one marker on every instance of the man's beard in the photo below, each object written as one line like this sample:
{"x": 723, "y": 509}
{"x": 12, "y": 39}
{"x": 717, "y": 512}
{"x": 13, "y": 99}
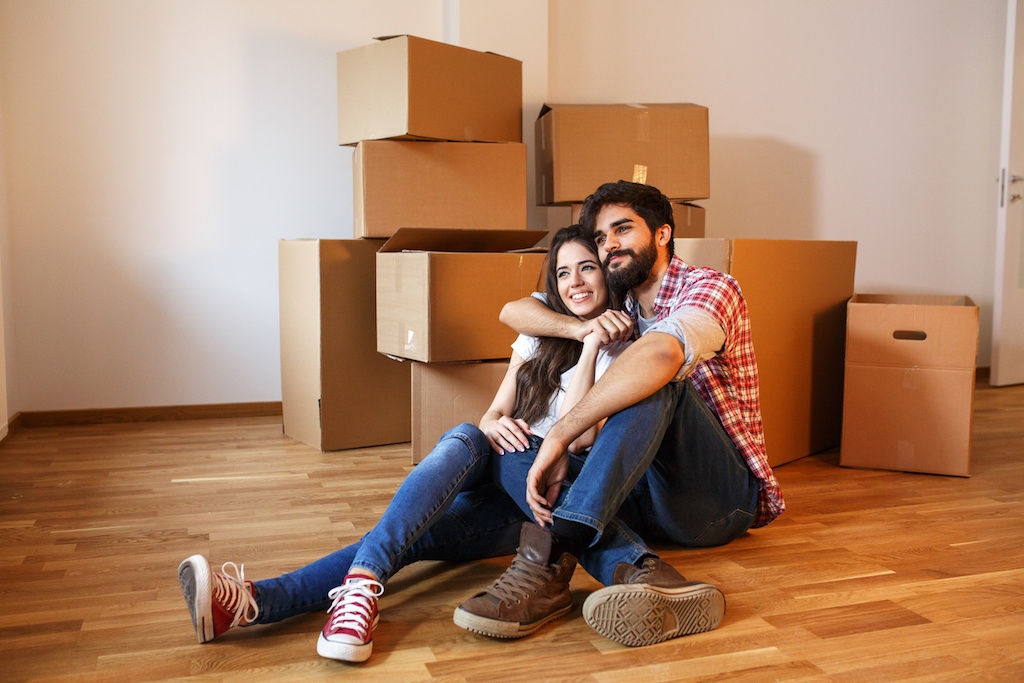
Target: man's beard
{"x": 633, "y": 273}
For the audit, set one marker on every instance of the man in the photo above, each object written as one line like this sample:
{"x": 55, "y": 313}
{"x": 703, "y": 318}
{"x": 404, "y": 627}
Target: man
{"x": 681, "y": 456}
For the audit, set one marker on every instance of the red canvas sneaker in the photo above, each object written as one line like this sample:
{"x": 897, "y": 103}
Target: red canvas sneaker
{"x": 348, "y": 633}
{"x": 217, "y": 601}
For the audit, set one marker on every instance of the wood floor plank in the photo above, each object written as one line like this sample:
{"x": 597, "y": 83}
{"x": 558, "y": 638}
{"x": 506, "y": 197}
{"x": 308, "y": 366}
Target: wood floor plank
{"x": 870, "y": 575}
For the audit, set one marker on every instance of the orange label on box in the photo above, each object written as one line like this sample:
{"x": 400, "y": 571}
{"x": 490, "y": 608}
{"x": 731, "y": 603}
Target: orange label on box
{"x": 640, "y": 174}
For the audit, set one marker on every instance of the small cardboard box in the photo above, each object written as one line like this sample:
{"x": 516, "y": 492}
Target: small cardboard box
{"x": 689, "y": 218}
{"x": 796, "y": 293}
{"x": 439, "y": 291}
{"x": 909, "y": 387}
{"x": 409, "y": 87}
{"x": 581, "y": 146}
{"x": 438, "y": 184}
{"x": 448, "y": 394}
{"x": 337, "y": 391}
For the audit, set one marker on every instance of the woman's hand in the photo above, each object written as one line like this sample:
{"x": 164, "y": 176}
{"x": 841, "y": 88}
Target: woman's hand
{"x": 504, "y": 433}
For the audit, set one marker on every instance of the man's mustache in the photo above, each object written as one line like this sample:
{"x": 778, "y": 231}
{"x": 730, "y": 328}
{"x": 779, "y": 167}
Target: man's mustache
{"x": 618, "y": 252}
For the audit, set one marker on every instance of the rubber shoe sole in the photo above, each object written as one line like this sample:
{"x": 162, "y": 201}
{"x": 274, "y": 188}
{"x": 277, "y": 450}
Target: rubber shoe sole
{"x": 496, "y": 628}
{"x": 194, "y": 577}
{"x": 640, "y": 614}
{"x": 345, "y": 652}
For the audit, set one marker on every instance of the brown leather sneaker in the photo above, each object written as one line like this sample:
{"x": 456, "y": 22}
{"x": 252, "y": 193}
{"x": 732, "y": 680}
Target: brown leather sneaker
{"x": 652, "y": 603}
{"x": 533, "y": 591}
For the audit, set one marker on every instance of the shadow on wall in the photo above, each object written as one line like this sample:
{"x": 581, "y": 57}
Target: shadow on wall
{"x": 761, "y": 188}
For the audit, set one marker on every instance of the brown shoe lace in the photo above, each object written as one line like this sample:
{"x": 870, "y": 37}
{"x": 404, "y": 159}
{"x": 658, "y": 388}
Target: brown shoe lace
{"x": 519, "y": 580}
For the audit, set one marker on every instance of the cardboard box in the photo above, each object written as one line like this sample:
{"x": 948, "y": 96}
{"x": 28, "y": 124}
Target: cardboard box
{"x": 705, "y": 252}
{"x": 409, "y": 87}
{"x": 796, "y": 293}
{"x": 689, "y": 218}
{"x": 581, "y": 146}
{"x": 438, "y": 184}
{"x": 909, "y": 387}
{"x": 439, "y": 292}
{"x": 337, "y": 391}
{"x": 448, "y": 394}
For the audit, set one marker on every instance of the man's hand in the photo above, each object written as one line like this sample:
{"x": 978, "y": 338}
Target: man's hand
{"x": 504, "y": 433}
{"x": 610, "y": 326}
{"x": 544, "y": 480}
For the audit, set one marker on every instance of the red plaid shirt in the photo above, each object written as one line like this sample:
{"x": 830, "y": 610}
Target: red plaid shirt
{"x": 727, "y": 382}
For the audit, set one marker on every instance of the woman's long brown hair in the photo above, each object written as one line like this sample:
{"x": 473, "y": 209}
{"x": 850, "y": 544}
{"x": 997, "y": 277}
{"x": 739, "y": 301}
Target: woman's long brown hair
{"x": 541, "y": 376}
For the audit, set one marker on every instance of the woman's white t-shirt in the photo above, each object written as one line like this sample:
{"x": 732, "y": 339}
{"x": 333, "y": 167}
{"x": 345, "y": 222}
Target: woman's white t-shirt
{"x": 526, "y": 346}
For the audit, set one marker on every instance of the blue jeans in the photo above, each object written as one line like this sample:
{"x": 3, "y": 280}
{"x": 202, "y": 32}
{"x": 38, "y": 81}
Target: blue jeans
{"x": 666, "y": 468}
{"x": 450, "y": 507}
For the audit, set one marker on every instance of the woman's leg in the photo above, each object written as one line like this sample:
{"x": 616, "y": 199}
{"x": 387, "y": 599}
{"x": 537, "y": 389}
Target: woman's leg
{"x": 427, "y": 518}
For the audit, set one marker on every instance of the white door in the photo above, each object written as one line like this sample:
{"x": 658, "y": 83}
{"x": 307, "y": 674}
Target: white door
{"x": 1008, "y": 299}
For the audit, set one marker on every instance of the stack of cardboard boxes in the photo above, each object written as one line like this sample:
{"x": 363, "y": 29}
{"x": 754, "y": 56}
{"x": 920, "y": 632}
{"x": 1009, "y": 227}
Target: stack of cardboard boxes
{"x": 394, "y": 336}
{"x": 439, "y": 173}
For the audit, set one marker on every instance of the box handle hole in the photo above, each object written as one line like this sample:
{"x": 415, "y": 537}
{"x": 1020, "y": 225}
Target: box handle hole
{"x": 915, "y": 335}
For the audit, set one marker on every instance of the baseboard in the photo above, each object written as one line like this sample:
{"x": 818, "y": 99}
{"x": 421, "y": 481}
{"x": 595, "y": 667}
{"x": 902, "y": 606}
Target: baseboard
{"x": 54, "y": 418}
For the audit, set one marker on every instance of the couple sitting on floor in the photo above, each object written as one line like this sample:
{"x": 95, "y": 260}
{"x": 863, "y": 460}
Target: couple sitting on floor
{"x": 610, "y": 427}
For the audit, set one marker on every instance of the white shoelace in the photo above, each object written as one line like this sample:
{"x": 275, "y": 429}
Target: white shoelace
{"x": 234, "y": 595}
{"x": 353, "y": 605}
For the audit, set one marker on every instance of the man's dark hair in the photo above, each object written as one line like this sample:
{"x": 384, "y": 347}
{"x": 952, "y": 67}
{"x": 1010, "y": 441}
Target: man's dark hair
{"x": 646, "y": 200}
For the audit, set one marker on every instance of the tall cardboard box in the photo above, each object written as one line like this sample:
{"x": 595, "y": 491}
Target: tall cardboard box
{"x": 447, "y": 394}
{"x": 689, "y": 218}
{"x": 796, "y": 293}
{"x": 909, "y": 393}
{"x": 581, "y": 146}
{"x": 413, "y": 88}
{"x": 438, "y": 184}
{"x": 337, "y": 391}
{"x": 439, "y": 291}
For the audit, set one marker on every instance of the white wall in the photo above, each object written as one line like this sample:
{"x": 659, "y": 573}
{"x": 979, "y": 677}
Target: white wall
{"x": 156, "y": 152}
{"x": 867, "y": 120}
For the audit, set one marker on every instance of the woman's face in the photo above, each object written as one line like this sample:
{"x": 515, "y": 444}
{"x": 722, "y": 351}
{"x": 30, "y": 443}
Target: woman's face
{"x": 580, "y": 281}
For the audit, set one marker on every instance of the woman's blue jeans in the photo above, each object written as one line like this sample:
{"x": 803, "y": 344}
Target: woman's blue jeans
{"x": 450, "y": 507}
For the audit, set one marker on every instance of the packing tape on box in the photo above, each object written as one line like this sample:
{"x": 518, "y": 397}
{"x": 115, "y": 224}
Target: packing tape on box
{"x": 640, "y": 174}
{"x": 643, "y": 125}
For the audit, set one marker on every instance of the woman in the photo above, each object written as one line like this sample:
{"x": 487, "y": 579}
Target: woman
{"x": 449, "y": 507}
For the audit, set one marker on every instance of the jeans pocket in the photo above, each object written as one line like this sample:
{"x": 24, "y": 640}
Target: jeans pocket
{"x": 722, "y": 531}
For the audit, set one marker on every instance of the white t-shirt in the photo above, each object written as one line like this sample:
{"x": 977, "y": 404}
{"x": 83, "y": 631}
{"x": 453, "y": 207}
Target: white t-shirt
{"x": 526, "y": 346}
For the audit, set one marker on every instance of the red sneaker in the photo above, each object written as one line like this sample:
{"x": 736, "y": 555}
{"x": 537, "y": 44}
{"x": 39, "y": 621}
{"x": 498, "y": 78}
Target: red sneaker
{"x": 216, "y": 601}
{"x": 348, "y": 633}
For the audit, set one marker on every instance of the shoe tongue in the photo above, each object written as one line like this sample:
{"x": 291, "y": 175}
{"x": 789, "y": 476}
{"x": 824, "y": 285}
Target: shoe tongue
{"x": 535, "y": 543}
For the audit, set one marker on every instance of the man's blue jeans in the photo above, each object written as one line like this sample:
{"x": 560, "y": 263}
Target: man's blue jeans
{"x": 667, "y": 469}
{"x": 448, "y": 508}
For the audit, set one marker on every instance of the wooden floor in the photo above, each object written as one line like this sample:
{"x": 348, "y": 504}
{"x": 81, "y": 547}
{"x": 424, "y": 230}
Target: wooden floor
{"x": 870, "y": 575}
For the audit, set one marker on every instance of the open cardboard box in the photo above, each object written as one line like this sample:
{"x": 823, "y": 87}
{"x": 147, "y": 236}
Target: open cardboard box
{"x": 581, "y": 146}
{"x": 438, "y": 184}
{"x": 337, "y": 391}
{"x": 909, "y": 391}
{"x": 409, "y": 87}
{"x": 439, "y": 291}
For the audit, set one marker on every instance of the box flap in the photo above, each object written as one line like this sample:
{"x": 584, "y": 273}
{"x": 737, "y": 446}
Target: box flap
{"x": 459, "y": 239}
